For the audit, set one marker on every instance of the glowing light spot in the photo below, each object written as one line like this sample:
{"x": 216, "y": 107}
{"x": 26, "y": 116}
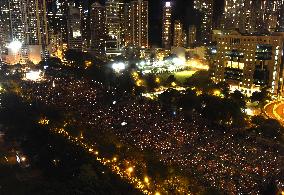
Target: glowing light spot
{"x": 15, "y": 46}
{"x": 130, "y": 170}
{"x": 146, "y": 179}
{"x": 123, "y": 123}
{"x": 118, "y": 67}
{"x": 217, "y": 92}
{"x": 173, "y": 84}
{"x": 23, "y": 159}
{"x": 34, "y": 75}
{"x": 139, "y": 83}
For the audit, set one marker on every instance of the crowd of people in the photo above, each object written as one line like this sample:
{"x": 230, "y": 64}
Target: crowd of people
{"x": 226, "y": 160}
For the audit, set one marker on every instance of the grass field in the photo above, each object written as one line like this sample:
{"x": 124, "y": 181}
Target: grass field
{"x": 180, "y": 76}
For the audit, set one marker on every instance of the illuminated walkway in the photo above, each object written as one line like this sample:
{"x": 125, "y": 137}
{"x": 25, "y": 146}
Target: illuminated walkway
{"x": 146, "y": 185}
{"x": 275, "y": 110}
{"x": 114, "y": 164}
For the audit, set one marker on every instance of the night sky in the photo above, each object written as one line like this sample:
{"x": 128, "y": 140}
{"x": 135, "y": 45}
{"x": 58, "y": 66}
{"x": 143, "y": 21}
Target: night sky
{"x": 183, "y": 10}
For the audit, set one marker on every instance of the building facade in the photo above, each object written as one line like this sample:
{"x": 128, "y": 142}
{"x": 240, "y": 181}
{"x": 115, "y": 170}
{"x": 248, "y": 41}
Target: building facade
{"x": 249, "y": 63}
{"x": 139, "y": 23}
{"x": 205, "y": 7}
{"x": 184, "y": 39}
{"x": 16, "y": 17}
{"x": 57, "y": 18}
{"x": 251, "y": 16}
{"x": 5, "y": 31}
{"x": 178, "y": 34}
{"x": 74, "y": 28}
{"x": 114, "y": 26}
{"x": 167, "y": 24}
{"x": 271, "y": 14}
{"x": 85, "y": 25}
{"x": 233, "y": 12}
{"x": 191, "y": 36}
{"x": 280, "y": 22}
{"x": 25, "y": 22}
{"x": 98, "y": 30}
{"x": 36, "y": 23}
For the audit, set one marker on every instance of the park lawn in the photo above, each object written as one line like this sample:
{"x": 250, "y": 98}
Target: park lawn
{"x": 180, "y": 76}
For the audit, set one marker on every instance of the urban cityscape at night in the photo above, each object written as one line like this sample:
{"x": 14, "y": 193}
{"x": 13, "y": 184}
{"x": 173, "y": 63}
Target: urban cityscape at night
{"x": 156, "y": 97}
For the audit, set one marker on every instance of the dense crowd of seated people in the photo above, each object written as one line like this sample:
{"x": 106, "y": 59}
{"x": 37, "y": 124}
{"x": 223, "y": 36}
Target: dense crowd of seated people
{"x": 240, "y": 165}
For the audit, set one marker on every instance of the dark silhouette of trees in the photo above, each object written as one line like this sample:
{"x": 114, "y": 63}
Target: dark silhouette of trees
{"x": 268, "y": 128}
{"x": 221, "y": 111}
{"x": 65, "y": 168}
{"x": 261, "y": 97}
{"x": 77, "y": 58}
{"x": 151, "y": 82}
{"x": 171, "y": 79}
{"x": 224, "y": 88}
{"x": 189, "y": 102}
{"x": 200, "y": 80}
{"x": 238, "y": 98}
{"x": 169, "y": 98}
{"x": 52, "y": 62}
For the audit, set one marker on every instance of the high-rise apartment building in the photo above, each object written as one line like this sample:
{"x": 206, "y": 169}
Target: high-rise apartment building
{"x": 114, "y": 26}
{"x": 57, "y": 24}
{"x": 136, "y": 24}
{"x": 57, "y": 18}
{"x": 249, "y": 62}
{"x": 258, "y": 10}
{"x": 16, "y": 20}
{"x": 36, "y": 30}
{"x": 191, "y": 35}
{"x": 58, "y": 6}
{"x": 74, "y": 28}
{"x": 233, "y": 12}
{"x": 85, "y": 25}
{"x": 36, "y": 23}
{"x": 25, "y": 21}
{"x": 127, "y": 25}
{"x": 98, "y": 30}
{"x": 184, "y": 39}
{"x": 56, "y": 45}
{"x": 270, "y": 14}
{"x": 178, "y": 34}
{"x": 280, "y": 20}
{"x": 167, "y": 24}
{"x": 5, "y": 31}
{"x": 2, "y": 38}
{"x": 57, "y": 27}
{"x": 252, "y": 16}
{"x": 241, "y": 15}
{"x": 205, "y": 7}
{"x": 139, "y": 23}
{"x": 247, "y": 19}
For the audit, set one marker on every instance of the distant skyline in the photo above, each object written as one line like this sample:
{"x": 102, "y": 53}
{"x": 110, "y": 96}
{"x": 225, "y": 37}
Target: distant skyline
{"x": 182, "y": 10}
